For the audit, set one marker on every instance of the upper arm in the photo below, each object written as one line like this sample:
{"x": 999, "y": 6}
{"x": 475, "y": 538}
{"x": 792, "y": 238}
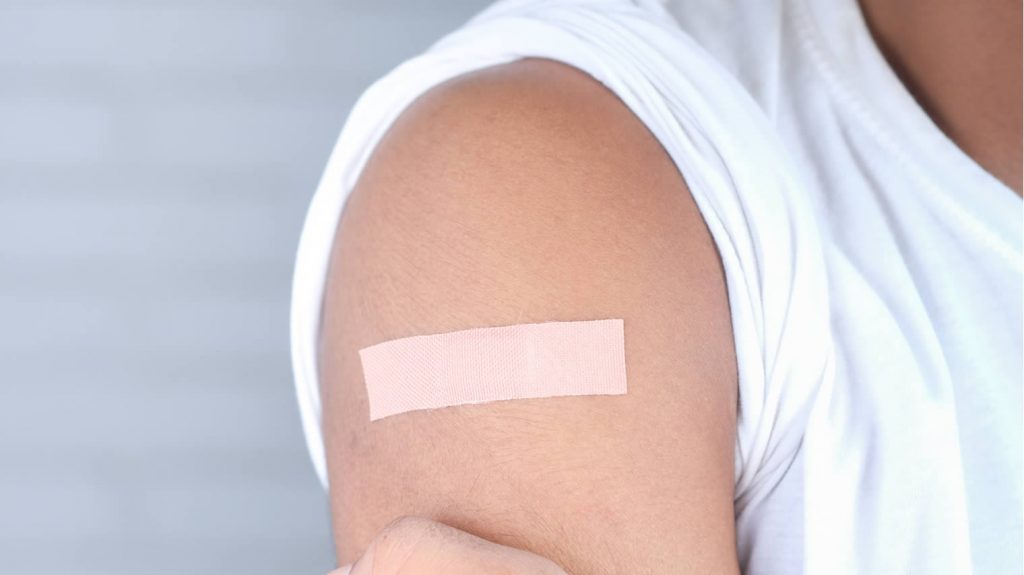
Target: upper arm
{"x": 525, "y": 193}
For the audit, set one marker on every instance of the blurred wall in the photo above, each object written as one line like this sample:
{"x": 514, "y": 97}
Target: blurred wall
{"x": 156, "y": 160}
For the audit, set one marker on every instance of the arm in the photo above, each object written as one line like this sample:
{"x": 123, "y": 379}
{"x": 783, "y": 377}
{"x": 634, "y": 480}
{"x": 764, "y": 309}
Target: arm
{"x": 524, "y": 193}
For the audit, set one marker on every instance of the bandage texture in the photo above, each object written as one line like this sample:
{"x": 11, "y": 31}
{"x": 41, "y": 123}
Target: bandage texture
{"x": 479, "y": 365}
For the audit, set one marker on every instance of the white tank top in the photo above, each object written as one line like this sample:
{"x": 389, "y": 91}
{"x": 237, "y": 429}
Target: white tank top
{"x": 874, "y": 270}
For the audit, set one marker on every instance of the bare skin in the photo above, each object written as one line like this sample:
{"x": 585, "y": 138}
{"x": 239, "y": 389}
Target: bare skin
{"x": 576, "y": 212}
{"x": 540, "y": 480}
{"x": 417, "y": 546}
{"x": 962, "y": 62}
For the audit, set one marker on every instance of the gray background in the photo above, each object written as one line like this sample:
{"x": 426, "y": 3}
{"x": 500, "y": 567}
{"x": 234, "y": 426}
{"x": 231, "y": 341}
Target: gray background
{"x": 156, "y": 160}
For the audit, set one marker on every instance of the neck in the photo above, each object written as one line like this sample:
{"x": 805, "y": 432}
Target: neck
{"x": 962, "y": 62}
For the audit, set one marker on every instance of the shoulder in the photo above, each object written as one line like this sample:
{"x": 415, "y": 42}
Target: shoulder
{"x": 522, "y": 193}
{"x": 517, "y": 177}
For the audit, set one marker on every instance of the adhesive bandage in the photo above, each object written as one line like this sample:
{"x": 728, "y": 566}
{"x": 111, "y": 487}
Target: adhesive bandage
{"x": 525, "y": 361}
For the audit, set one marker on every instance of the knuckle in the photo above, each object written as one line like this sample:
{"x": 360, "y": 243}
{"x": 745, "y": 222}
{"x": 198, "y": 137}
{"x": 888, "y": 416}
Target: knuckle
{"x": 407, "y": 527}
{"x": 397, "y": 542}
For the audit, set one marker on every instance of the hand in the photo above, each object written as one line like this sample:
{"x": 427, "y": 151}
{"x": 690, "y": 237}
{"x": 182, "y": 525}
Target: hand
{"x": 415, "y": 546}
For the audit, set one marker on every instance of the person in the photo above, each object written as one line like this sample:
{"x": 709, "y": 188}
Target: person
{"x": 808, "y": 215}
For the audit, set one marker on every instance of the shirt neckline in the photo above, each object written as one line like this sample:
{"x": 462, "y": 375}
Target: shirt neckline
{"x": 836, "y": 34}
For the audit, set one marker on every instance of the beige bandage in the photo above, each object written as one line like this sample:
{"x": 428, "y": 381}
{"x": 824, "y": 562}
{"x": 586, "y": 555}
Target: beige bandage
{"x": 523, "y": 361}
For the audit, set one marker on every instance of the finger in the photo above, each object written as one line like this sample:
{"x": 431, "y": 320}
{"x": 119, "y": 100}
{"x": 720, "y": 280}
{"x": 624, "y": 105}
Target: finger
{"x": 424, "y": 547}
